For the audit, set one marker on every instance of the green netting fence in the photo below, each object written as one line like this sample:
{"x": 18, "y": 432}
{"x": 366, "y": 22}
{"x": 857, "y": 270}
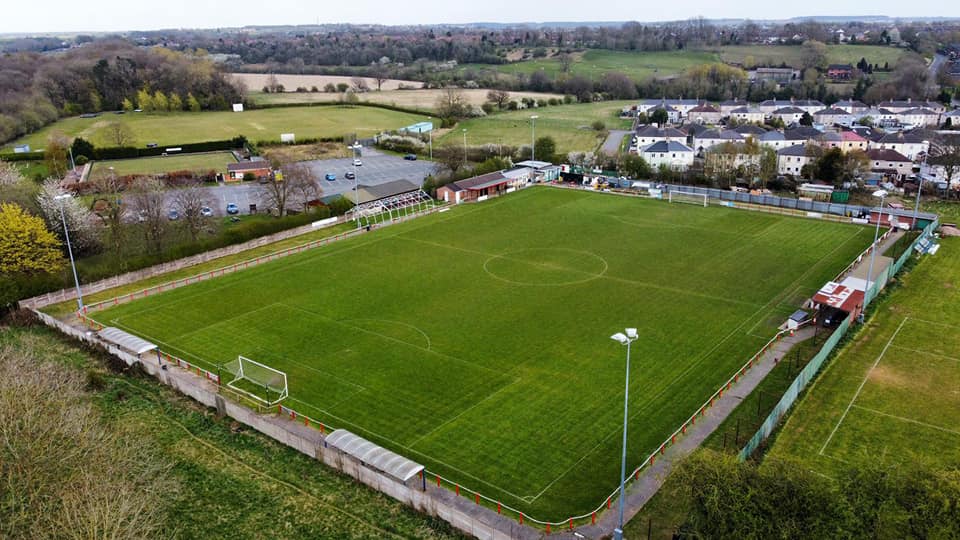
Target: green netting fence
{"x": 807, "y": 374}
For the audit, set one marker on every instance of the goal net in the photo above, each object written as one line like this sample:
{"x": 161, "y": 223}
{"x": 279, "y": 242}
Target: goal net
{"x": 699, "y": 199}
{"x": 260, "y": 382}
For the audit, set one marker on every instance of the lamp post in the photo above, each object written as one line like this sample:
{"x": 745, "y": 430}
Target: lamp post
{"x": 873, "y": 250}
{"x": 533, "y": 137}
{"x": 430, "y": 133}
{"x": 66, "y": 234}
{"x": 356, "y": 182}
{"x": 916, "y": 206}
{"x": 464, "y": 146}
{"x": 624, "y": 339}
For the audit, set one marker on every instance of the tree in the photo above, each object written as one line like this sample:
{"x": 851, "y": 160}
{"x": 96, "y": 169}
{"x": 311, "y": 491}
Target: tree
{"x": 189, "y": 201}
{"x": 144, "y": 100}
{"x": 275, "y": 193}
{"x": 635, "y": 166}
{"x": 380, "y": 75}
{"x": 948, "y": 157}
{"x": 855, "y": 163}
{"x": 830, "y": 166}
{"x": 55, "y": 154}
{"x": 450, "y": 157}
{"x": 119, "y": 133}
{"x": 545, "y": 148}
{"x": 768, "y": 163}
{"x": 112, "y": 212}
{"x": 566, "y": 61}
{"x": 84, "y": 236}
{"x": 813, "y": 54}
{"x": 359, "y": 84}
{"x": 500, "y": 98}
{"x": 26, "y": 246}
{"x": 452, "y": 104}
{"x": 82, "y": 147}
{"x": 330, "y": 88}
{"x": 193, "y": 105}
{"x": 127, "y": 105}
{"x": 618, "y": 85}
{"x": 148, "y": 198}
{"x": 303, "y": 183}
{"x": 659, "y": 117}
{"x": 806, "y": 119}
{"x": 176, "y": 102}
{"x": 160, "y": 102}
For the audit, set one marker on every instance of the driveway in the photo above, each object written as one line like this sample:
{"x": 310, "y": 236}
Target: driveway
{"x": 611, "y": 146}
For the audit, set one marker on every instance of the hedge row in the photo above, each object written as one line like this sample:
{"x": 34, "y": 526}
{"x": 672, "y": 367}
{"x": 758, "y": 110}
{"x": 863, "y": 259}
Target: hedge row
{"x": 24, "y": 156}
{"x": 386, "y": 106}
{"x": 124, "y": 152}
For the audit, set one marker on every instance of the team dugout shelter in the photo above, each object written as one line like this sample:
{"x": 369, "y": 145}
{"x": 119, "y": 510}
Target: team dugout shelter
{"x": 390, "y": 199}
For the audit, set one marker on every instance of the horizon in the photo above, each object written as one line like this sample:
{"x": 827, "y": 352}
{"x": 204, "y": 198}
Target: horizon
{"x": 59, "y": 16}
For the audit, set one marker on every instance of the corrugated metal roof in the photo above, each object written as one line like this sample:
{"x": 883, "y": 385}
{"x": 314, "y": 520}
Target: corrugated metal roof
{"x": 125, "y": 340}
{"x": 375, "y": 456}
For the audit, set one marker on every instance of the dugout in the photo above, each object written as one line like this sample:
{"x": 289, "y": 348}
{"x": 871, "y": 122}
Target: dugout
{"x": 376, "y": 457}
{"x": 128, "y": 342}
{"x": 834, "y": 301}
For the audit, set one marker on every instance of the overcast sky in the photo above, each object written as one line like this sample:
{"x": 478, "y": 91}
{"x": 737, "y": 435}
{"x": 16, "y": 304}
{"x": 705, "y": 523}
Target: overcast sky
{"x": 23, "y": 16}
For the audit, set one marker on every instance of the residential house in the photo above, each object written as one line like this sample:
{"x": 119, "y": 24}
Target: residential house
{"x": 833, "y": 116}
{"x": 807, "y": 105}
{"x": 919, "y": 117}
{"x": 801, "y": 134}
{"x": 726, "y": 107}
{"x": 257, "y": 168}
{"x": 788, "y": 115}
{"x": 899, "y": 106}
{"x": 650, "y": 134}
{"x": 708, "y": 139}
{"x": 704, "y": 114}
{"x": 790, "y": 160}
{"x": 776, "y": 75}
{"x": 673, "y": 115}
{"x": 681, "y": 106}
{"x": 749, "y": 130}
{"x": 671, "y": 154}
{"x": 953, "y": 116}
{"x": 853, "y": 141}
{"x": 751, "y": 115}
{"x": 889, "y": 162}
{"x": 774, "y": 139}
{"x": 909, "y": 143}
{"x": 853, "y": 107}
{"x": 840, "y": 72}
{"x": 880, "y": 117}
{"x": 831, "y": 139}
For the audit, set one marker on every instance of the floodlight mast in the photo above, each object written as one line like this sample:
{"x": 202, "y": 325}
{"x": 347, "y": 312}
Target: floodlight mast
{"x": 624, "y": 339}
{"x": 66, "y": 235}
{"x": 873, "y": 250}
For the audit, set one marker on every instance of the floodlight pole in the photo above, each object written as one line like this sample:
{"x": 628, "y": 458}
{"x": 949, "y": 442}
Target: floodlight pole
{"x": 356, "y": 184}
{"x": 916, "y": 206}
{"x": 873, "y": 254}
{"x": 533, "y": 137}
{"x": 624, "y": 340}
{"x": 431, "y": 137}
{"x": 73, "y": 265}
{"x": 464, "y": 146}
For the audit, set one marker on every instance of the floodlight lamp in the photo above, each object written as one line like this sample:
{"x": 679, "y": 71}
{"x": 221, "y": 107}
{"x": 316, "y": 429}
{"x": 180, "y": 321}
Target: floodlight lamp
{"x": 632, "y": 333}
{"x": 619, "y": 337}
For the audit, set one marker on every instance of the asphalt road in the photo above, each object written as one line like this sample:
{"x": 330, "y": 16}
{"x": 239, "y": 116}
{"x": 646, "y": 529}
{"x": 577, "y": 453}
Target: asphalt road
{"x": 377, "y": 168}
{"x": 934, "y": 67}
{"x": 611, "y": 146}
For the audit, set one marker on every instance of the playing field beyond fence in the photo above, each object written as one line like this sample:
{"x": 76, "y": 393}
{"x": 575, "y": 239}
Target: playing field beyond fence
{"x": 476, "y": 341}
{"x": 892, "y": 394}
{"x": 198, "y": 163}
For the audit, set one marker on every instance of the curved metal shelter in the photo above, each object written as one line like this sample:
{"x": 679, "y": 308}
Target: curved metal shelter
{"x": 375, "y": 456}
{"x": 125, "y": 340}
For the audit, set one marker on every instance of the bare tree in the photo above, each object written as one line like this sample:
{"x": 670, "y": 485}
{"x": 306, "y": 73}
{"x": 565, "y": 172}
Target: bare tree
{"x": 500, "y": 98}
{"x": 109, "y": 207}
{"x": 190, "y": 203}
{"x": 148, "y": 198}
{"x": 566, "y": 61}
{"x": 275, "y": 193}
{"x": 452, "y": 103}
{"x": 380, "y": 74}
{"x": 360, "y": 84}
{"x": 302, "y": 183}
{"x": 84, "y": 236}
{"x": 119, "y": 133}
{"x": 55, "y": 154}
{"x": 450, "y": 157}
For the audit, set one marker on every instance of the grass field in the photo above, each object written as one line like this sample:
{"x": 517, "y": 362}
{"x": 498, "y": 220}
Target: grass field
{"x": 256, "y": 125}
{"x": 209, "y": 161}
{"x": 425, "y": 100}
{"x": 892, "y": 394}
{"x": 792, "y": 54}
{"x": 476, "y": 341}
{"x": 569, "y": 125}
{"x": 594, "y": 63}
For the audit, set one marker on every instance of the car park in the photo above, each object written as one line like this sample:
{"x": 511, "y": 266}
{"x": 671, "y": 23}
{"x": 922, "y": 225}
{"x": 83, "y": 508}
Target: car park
{"x": 232, "y": 209}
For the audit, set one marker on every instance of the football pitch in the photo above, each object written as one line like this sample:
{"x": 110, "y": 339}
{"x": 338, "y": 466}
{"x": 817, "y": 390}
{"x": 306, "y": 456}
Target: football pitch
{"x": 476, "y": 341}
{"x": 892, "y": 394}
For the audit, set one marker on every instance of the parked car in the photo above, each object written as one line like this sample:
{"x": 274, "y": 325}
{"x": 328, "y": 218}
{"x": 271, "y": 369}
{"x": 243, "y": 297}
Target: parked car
{"x": 206, "y": 211}
{"x": 410, "y": 157}
{"x": 349, "y": 175}
{"x": 331, "y": 177}
{"x": 357, "y": 162}
{"x": 232, "y": 209}
{"x": 173, "y": 215}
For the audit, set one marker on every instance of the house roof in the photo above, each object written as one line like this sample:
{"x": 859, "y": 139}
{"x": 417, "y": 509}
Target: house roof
{"x": 795, "y": 150}
{"x": 789, "y": 103}
{"x": 831, "y": 136}
{"x": 801, "y": 133}
{"x": 726, "y": 135}
{"x": 382, "y": 191}
{"x": 666, "y": 146}
{"x": 705, "y": 109}
{"x": 886, "y": 154}
{"x": 749, "y": 129}
{"x": 248, "y": 166}
{"x": 772, "y": 136}
{"x": 746, "y": 110}
{"x": 902, "y": 137}
{"x": 851, "y": 103}
{"x": 919, "y": 110}
{"x": 851, "y": 136}
{"x": 479, "y": 182}
{"x": 788, "y": 110}
{"x": 832, "y": 111}
{"x": 654, "y": 131}
{"x": 535, "y": 164}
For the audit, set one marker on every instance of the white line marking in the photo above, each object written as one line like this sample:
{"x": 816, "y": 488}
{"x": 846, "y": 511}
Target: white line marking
{"x": 910, "y": 420}
{"x": 915, "y": 351}
{"x": 862, "y": 384}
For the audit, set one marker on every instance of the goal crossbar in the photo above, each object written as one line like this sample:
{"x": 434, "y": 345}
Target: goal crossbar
{"x": 249, "y": 373}
{"x": 689, "y": 197}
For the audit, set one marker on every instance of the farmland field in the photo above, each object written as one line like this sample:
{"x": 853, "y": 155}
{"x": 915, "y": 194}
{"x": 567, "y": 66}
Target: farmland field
{"x": 256, "y": 125}
{"x": 569, "y": 125}
{"x": 774, "y": 55}
{"x": 476, "y": 341}
{"x": 425, "y": 100}
{"x": 209, "y": 161}
{"x": 594, "y": 63}
{"x": 891, "y": 394}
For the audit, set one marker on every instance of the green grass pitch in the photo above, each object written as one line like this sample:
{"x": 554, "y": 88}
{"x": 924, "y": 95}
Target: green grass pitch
{"x": 892, "y": 394}
{"x": 476, "y": 341}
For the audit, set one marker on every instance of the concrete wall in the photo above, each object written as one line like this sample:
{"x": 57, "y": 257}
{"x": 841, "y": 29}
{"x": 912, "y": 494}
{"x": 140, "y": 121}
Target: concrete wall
{"x": 462, "y": 513}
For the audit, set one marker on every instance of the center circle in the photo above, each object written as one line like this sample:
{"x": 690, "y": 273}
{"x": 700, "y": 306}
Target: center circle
{"x": 546, "y": 266}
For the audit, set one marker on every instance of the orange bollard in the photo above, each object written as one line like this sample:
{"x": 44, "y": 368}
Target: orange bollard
{"x": 571, "y": 524}
{"x": 548, "y": 529}
{"x": 458, "y": 489}
{"x": 476, "y": 498}
{"x": 438, "y": 480}
{"x": 521, "y": 518}
{"x": 593, "y": 519}
{"x": 499, "y": 507}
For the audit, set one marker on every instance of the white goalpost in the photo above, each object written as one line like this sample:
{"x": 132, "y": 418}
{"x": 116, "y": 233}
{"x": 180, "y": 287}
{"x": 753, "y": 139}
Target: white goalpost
{"x": 699, "y": 199}
{"x": 257, "y": 381}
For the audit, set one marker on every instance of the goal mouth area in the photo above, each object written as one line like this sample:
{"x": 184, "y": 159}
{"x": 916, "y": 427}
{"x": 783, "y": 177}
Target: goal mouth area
{"x": 259, "y": 382}
{"x": 688, "y": 197}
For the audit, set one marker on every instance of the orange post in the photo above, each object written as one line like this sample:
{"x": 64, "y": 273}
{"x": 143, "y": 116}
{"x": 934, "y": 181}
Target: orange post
{"x": 571, "y": 524}
{"x": 521, "y": 518}
{"x": 499, "y": 507}
{"x": 476, "y": 498}
{"x": 548, "y": 528}
{"x": 593, "y": 519}
{"x": 458, "y": 489}
{"x": 438, "y": 480}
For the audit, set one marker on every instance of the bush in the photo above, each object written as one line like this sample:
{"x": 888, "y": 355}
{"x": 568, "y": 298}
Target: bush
{"x": 598, "y": 125}
{"x": 81, "y": 160}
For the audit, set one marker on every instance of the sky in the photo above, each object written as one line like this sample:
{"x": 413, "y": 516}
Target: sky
{"x": 69, "y": 16}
